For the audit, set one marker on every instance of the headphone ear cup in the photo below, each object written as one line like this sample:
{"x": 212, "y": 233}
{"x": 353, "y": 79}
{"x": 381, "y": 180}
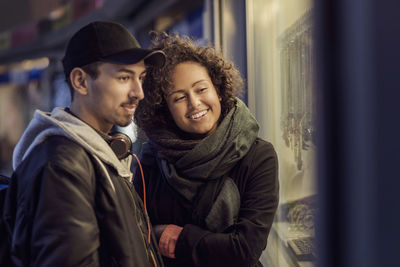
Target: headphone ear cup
{"x": 121, "y": 144}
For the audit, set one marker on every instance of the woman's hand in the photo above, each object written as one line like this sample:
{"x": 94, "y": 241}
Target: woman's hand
{"x": 168, "y": 240}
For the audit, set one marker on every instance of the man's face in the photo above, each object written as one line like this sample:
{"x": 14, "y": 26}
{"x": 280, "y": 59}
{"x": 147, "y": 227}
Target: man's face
{"x": 114, "y": 95}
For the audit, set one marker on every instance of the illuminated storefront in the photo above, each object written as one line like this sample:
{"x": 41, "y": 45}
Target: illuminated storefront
{"x": 281, "y": 93}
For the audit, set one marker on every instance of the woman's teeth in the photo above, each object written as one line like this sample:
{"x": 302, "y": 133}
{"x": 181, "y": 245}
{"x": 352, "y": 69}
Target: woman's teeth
{"x": 198, "y": 115}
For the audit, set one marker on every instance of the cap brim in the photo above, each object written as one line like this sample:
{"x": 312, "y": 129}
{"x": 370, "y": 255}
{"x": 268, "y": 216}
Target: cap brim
{"x": 154, "y": 58}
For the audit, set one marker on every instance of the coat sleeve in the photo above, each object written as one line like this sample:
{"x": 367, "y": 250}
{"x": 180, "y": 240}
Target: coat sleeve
{"x": 60, "y": 214}
{"x": 242, "y": 243}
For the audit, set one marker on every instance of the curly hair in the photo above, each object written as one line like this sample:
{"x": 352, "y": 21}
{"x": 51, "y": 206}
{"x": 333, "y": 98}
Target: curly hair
{"x": 153, "y": 111}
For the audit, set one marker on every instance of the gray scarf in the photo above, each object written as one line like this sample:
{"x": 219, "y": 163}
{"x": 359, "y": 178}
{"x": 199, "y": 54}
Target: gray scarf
{"x": 204, "y": 168}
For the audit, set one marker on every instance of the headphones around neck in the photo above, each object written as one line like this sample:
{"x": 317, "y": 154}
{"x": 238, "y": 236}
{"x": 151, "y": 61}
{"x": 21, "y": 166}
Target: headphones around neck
{"x": 121, "y": 144}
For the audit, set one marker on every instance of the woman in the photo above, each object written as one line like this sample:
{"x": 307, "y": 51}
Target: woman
{"x": 211, "y": 184}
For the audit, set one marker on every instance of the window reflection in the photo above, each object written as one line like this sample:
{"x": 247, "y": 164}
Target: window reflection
{"x": 281, "y": 95}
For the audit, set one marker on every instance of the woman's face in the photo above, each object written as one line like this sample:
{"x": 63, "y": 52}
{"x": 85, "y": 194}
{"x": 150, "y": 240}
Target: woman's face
{"x": 193, "y": 101}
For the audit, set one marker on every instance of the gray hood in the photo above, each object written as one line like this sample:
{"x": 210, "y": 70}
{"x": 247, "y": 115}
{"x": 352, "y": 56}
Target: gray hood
{"x": 60, "y": 122}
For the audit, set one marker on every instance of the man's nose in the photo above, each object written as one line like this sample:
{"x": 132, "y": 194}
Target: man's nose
{"x": 136, "y": 90}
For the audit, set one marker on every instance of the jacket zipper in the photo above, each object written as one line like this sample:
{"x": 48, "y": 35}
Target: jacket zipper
{"x": 140, "y": 228}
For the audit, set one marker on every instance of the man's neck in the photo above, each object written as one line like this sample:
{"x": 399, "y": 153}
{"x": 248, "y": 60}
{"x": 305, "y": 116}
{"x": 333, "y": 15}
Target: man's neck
{"x": 80, "y": 115}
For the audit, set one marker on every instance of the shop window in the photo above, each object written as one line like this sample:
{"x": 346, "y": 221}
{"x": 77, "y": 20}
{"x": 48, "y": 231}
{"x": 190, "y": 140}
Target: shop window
{"x": 281, "y": 94}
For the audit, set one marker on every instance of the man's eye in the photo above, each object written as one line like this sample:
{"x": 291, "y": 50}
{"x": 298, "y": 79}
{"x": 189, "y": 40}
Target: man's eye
{"x": 123, "y": 78}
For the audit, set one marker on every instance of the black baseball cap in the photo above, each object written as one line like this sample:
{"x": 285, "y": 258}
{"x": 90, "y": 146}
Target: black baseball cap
{"x": 110, "y": 42}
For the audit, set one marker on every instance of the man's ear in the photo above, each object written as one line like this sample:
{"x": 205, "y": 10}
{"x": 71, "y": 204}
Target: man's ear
{"x": 79, "y": 81}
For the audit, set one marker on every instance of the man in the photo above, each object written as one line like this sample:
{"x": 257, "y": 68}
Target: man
{"x": 71, "y": 200}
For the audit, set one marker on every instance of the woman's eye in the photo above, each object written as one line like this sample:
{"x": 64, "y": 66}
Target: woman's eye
{"x": 202, "y": 89}
{"x": 179, "y": 98}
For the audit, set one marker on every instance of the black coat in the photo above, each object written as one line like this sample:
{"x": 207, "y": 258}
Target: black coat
{"x": 61, "y": 211}
{"x": 241, "y": 244}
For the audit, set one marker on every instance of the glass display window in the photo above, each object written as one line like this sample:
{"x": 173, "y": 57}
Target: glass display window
{"x": 280, "y": 49}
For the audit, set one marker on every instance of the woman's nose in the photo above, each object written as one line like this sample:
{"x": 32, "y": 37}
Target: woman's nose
{"x": 194, "y": 101}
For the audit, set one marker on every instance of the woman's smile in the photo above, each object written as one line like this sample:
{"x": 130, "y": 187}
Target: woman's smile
{"x": 199, "y": 115}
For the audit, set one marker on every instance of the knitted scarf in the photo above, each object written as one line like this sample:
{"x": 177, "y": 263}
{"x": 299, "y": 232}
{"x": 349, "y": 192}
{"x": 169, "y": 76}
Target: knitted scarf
{"x": 194, "y": 166}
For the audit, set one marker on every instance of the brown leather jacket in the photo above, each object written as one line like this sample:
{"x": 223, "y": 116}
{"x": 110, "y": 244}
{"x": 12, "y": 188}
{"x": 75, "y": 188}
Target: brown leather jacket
{"x": 60, "y": 210}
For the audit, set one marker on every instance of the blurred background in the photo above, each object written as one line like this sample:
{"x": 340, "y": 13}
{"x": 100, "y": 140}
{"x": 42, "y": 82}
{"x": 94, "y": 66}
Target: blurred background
{"x": 321, "y": 79}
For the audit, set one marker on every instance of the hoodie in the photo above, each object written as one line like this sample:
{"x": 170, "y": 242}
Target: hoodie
{"x": 60, "y": 122}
